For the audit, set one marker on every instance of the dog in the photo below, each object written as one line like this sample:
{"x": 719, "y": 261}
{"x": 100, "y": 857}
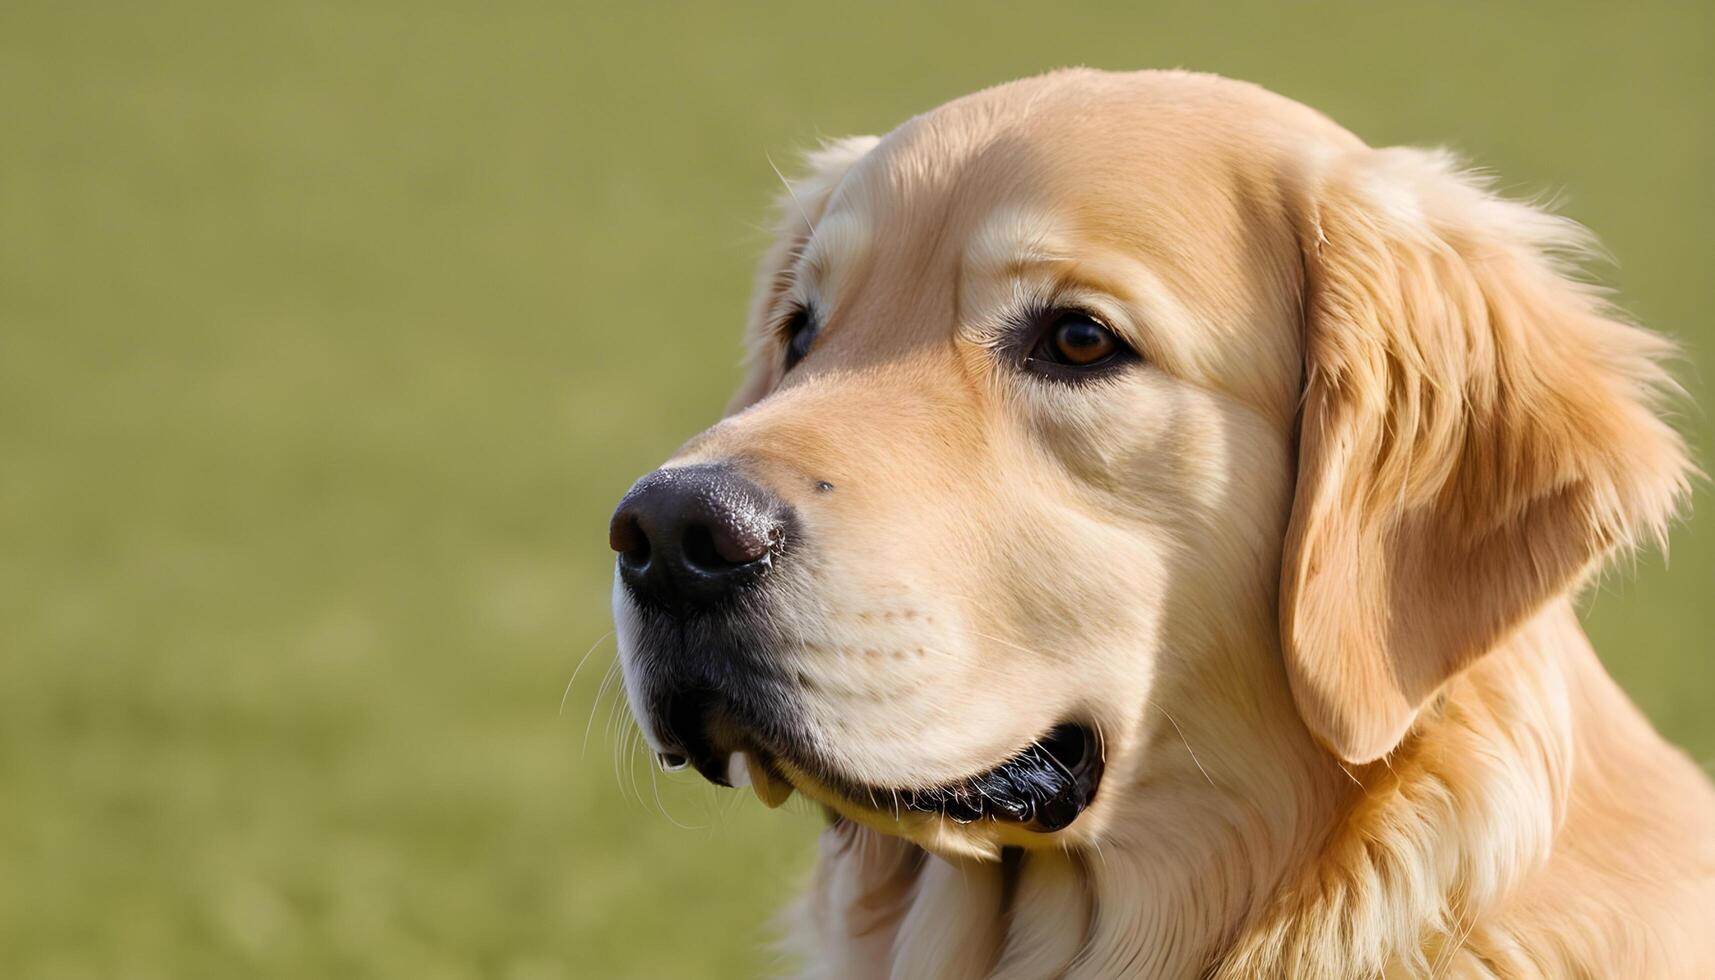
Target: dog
{"x": 1149, "y": 527}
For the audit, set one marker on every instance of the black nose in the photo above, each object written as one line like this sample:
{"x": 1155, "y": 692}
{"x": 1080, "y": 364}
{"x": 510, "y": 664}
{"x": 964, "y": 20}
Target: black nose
{"x": 693, "y": 535}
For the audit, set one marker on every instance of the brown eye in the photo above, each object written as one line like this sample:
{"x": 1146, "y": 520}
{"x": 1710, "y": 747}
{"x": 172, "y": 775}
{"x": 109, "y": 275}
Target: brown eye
{"x": 1081, "y": 341}
{"x": 1075, "y": 342}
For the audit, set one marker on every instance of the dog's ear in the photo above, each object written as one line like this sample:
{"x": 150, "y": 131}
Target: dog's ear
{"x": 1477, "y": 432}
{"x": 797, "y": 209}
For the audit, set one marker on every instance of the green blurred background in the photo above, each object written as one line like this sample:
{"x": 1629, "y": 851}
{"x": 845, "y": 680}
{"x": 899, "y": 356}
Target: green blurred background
{"x": 330, "y": 332}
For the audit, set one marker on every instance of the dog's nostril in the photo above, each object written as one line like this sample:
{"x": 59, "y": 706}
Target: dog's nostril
{"x": 722, "y": 548}
{"x": 626, "y": 536}
{"x": 699, "y": 548}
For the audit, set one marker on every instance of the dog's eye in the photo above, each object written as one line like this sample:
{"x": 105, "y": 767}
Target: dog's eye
{"x": 1075, "y": 342}
{"x": 1080, "y": 341}
{"x": 799, "y": 329}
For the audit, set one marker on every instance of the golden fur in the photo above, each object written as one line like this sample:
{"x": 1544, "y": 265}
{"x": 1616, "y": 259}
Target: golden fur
{"x": 1310, "y": 568}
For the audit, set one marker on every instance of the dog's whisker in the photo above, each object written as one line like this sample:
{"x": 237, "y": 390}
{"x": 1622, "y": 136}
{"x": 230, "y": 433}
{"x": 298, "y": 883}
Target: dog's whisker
{"x": 627, "y": 753}
{"x": 1186, "y": 742}
{"x": 595, "y": 705}
{"x": 809, "y": 226}
{"x": 995, "y": 639}
{"x": 1101, "y": 855}
{"x": 632, "y": 759}
{"x": 616, "y": 749}
{"x": 616, "y": 712}
{"x": 579, "y": 669}
{"x": 655, "y": 786}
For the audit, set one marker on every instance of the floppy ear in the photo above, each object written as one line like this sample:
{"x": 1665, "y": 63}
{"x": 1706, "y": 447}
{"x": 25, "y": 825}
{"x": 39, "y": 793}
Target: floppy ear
{"x": 797, "y": 208}
{"x": 1477, "y": 433}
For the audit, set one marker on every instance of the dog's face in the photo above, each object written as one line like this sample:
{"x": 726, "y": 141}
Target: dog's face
{"x": 1011, "y": 476}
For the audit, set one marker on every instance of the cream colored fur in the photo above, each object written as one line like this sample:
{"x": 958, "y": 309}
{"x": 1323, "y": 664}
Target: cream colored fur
{"x": 1310, "y": 568}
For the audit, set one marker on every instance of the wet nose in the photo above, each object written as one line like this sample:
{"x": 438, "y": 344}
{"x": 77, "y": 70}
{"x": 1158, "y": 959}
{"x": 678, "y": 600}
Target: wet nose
{"x": 691, "y": 536}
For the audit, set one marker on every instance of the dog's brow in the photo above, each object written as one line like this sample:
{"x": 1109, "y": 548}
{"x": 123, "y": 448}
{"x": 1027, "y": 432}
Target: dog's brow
{"x": 840, "y": 239}
{"x": 1013, "y": 242}
{"x": 1012, "y": 249}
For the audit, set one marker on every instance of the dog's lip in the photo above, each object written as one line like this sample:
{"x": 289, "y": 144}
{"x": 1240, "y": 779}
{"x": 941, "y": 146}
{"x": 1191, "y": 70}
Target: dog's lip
{"x": 1043, "y": 787}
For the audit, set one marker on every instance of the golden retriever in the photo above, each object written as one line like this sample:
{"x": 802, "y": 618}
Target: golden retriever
{"x": 1150, "y": 527}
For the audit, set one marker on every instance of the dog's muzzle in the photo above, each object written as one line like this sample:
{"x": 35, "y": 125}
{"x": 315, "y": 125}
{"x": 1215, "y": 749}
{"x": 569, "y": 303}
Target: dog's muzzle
{"x": 699, "y": 547}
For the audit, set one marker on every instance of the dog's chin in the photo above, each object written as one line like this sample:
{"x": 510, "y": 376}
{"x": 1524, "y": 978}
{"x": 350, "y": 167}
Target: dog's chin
{"x": 1030, "y": 799}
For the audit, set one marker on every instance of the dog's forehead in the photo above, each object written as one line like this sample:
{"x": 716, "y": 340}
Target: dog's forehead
{"x": 1182, "y": 176}
{"x": 1164, "y": 165}
{"x": 1089, "y": 130}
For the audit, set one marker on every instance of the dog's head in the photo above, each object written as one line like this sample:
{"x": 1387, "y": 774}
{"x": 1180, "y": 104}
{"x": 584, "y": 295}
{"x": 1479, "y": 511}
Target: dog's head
{"x": 1094, "y": 403}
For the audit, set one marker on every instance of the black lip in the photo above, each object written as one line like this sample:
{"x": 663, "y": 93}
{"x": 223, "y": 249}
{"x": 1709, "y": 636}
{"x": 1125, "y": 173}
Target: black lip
{"x": 1045, "y": 787}
{"x": 704, "y": 727}
{"x": 684, "y": 721}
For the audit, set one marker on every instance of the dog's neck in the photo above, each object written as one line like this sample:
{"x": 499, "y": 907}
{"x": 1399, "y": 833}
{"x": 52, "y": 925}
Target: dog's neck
{"x": 1235, "y": 862}
{"x": 1441, "y": 832}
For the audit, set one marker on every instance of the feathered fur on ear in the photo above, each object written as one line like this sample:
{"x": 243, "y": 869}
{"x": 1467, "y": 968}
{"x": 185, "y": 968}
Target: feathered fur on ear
{"x": 1478, "y": 431}
{"x": 797, "y": 209}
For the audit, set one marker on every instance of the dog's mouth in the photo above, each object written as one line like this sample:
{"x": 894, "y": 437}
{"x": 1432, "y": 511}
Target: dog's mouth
{"x": 1043, "y": 788}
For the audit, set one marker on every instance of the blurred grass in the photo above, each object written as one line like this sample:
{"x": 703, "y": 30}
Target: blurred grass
{"x": 330, "y": 332}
